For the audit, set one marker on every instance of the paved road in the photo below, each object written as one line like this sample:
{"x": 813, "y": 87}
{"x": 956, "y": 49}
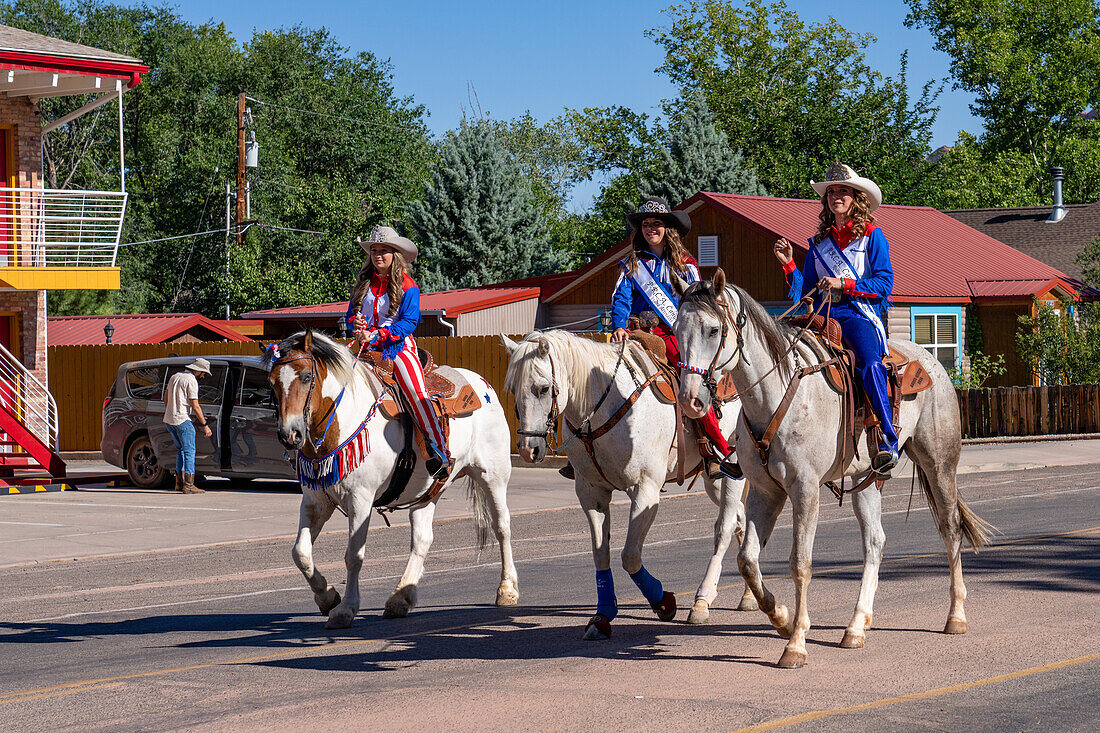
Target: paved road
{"x": 225, "y": 636}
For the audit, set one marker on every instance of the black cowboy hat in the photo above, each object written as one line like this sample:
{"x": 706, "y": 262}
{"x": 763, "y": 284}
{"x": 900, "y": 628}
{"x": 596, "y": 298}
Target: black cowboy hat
{"x": 656, "y": 207}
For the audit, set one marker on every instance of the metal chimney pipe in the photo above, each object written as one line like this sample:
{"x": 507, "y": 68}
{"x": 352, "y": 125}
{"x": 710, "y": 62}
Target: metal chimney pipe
{"x": 1059, "y": 211}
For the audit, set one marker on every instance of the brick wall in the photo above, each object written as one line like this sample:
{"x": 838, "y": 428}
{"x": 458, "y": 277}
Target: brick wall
{"x": 29, "y": 333}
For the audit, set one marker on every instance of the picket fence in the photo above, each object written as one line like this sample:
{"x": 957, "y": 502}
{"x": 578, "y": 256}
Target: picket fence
{"x": 80, "y": 377}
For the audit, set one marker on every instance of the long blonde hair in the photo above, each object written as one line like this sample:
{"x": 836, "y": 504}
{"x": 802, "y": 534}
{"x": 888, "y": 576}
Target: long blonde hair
{"x": 395, "y": 290}
{"x": 861, "y": 216}
{"x": 674, "y": 250}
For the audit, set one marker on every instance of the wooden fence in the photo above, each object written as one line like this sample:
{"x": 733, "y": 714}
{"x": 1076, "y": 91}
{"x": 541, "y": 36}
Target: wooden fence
{"x": 80, "y": 376}
{"x": 1010, "y": 411}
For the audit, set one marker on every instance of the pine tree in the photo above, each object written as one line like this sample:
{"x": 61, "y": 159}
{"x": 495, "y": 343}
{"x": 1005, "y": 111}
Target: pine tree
{"x": 479, "y": 222}
{"x": 699, "y": 158}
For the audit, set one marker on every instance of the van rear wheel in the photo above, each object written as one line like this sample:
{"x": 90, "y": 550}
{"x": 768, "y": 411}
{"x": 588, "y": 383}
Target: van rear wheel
{"x": 142, "y": 466}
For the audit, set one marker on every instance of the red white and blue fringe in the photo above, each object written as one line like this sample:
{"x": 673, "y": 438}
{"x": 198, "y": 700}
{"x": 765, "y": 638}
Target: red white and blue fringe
{"x": 319, "y": 474}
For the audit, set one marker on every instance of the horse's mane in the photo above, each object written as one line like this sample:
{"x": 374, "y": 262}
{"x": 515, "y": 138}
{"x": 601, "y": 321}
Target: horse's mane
{"x": 336, "y": 357}
{"x": 577, "y": 359}
{"x": 777, "y": 337}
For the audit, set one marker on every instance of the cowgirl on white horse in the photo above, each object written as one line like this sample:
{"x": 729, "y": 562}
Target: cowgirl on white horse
{"x": 849, "y": 259}
{"x": 644, "y": 287}
{"x": 390, "y": 300}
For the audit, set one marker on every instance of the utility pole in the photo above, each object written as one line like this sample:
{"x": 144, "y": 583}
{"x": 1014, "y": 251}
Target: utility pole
{"x": 241, "y": 197}
{"x": 228, "y": 242}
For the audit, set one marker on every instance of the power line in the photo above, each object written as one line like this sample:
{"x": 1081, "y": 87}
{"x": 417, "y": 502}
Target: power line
{"x": 222, "y": 233}
{"x": 323, "y": 114}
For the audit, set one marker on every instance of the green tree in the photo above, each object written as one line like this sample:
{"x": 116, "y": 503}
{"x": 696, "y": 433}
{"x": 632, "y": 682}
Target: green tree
{"x": 1089, "y": 261}
{"x": 973, "y": 176}
{"x": 795, "y": 97}
{"x": 479, "y": 221}
{"x": 340, "y": 150}
{"x": 1033, "y": 67}
{"x": 1061, "y": 344}
{"x": 698, "y": 157}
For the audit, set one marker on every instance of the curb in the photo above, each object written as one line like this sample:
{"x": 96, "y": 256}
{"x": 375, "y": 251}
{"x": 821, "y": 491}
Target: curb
{"x": 35, "y": 489}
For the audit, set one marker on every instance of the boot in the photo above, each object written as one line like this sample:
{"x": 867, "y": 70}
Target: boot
{"x": 179, "y": 480}
{"x": 885, "y": 460}
{"x": 567, "y": 471}
{"x": 438, "y": 464}
{"x": 724, "y": 468}
{"x": 189, "y": 485}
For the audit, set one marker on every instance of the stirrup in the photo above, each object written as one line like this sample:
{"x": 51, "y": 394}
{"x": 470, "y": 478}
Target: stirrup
{"x": 438, "y": 464}
{"x": 730, "y": 467}
{"x": 567, "y": 472}
{"x": 885, "y": 460}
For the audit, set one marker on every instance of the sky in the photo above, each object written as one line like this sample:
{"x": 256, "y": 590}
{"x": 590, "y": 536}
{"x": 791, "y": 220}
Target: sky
{"x": 546, "y": 56}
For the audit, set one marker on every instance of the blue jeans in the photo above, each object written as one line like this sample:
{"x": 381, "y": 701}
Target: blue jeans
{"x": 183, "y": 435}
{"x": 861, "y": 336}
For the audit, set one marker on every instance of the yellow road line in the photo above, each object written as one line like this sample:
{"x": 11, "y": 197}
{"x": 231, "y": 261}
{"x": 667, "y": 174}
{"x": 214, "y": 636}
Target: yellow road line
{"x": 817, "y": 714}
{"x": 29, "y": 696}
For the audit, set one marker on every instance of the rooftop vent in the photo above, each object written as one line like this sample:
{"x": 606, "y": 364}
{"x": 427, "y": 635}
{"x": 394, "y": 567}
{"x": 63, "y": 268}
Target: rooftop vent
{"x": 1059, "y": 211}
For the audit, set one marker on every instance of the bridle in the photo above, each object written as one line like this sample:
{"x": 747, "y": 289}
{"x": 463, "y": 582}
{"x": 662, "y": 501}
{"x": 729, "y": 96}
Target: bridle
{"x": 281, "y": 361}
{"x": 554, "y": 414}
{"x": 707, "y": 374}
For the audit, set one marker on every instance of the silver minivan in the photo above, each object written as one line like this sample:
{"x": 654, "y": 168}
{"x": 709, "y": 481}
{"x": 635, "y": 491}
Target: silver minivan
{"x": 236, "y": 400}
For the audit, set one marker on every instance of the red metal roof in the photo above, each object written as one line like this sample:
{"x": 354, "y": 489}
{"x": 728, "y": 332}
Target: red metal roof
{"x": 454, "y": 302}
{"x": 141, "y": 328}
{"x": 934, "y": 256}
{"x": 1018, "y": 288}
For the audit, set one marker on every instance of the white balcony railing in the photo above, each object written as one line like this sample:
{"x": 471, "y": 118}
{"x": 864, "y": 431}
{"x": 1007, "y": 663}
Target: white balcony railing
{"x": 44, "y": 227}
{"x": 28, "y": 399}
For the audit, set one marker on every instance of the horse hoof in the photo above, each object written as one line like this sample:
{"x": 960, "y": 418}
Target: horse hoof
{"x": 748, "y": 603}
{"x": 395, "y": 609}
{"x": 666, "y": 608}
{"x": 852, "y": 640}
{"x": 955, "y": 626}
{"x": 339, "y": 620}
{"x": 699, "y": 613}
{"x": 598, "y": 628}
{"x": 792, "y": 659}
{"x": 330, "y": 600}
{"x": 507, "y": 598}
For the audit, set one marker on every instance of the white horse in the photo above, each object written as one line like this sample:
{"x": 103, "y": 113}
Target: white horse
{"x": 555, "y": 373}
{"x": 324, "y": 398}
{"x": 721, "y": 329}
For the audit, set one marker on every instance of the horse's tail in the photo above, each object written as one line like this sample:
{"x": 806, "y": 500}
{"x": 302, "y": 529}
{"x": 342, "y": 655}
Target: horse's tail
{"x": 483, "y": 520}
{"x": 977, "y": 531}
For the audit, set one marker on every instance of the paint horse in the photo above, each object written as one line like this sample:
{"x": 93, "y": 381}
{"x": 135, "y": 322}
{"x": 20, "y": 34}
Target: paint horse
{"x": 328, "y": 409}
{"x": 723, "y": 330}
{"x": 555, "y": 374}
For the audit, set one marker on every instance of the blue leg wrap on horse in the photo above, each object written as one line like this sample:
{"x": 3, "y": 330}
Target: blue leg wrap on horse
{"x": 606, "y": 603}
{"x": 648, "y": 585}
{"x": 874, "y": 381}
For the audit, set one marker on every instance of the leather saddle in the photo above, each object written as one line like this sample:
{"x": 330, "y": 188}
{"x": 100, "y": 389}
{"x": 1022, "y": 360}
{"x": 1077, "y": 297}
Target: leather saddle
{"x": 450, "y": 393}
{"x": 667, "y": 385}
{"x": 904, "y": 377}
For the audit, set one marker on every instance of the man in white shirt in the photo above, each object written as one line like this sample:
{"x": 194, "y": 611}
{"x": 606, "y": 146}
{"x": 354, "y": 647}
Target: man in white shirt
{"x": 181, "y": 401}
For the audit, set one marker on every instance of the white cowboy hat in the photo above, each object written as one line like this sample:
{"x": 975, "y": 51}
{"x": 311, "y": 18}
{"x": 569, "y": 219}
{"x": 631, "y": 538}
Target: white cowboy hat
{"x": 839, "y": 173}
{"x": 385, "y": 235}
{"x": 200, "y": 365}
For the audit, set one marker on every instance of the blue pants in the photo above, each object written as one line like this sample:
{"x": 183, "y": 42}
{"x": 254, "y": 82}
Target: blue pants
{"x": 183, "y": 435}
{"x": 861, "y": 336}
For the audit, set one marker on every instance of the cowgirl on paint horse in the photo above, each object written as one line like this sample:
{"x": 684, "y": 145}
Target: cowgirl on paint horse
{"x": 849, "y": 262}
{"x": 391, "y": 301}
{"x": 644, "y": 289}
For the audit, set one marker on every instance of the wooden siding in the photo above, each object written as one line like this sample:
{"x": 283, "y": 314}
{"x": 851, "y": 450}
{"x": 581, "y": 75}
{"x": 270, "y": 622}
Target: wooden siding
{"x": 897, "y": 323}
{"x": 510, "y": 318}
{"x": 745, "y": 254}
{"x": 999, "y": 324}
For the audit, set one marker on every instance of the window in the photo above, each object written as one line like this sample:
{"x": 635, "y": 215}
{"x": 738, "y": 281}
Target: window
{"x": 938, "y": 333}
{"x": 210, "y": 386}
{"x": 255, "y": 389}
{"x": 147, "y": 382}
{"x": 708, "y": 251}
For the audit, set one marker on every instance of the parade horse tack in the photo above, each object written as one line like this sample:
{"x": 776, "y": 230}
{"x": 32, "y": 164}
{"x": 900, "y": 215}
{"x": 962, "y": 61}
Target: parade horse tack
{"x": 328, "y": 408}
{"x": 802, "y": 455}
{"x": 555, "y": 374}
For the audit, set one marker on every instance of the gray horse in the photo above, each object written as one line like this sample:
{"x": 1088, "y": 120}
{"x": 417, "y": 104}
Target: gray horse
{"x": 721, "y": 329}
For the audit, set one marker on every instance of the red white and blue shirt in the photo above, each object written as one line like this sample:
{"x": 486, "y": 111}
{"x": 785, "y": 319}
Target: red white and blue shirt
{"x": 395, "y": 332}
